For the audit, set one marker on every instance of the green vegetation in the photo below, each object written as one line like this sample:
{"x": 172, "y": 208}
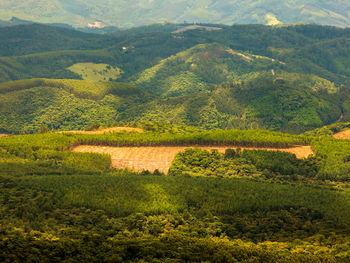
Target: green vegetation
{"x": 195, "y": 88}
{"x": 288, "y": 102}
{"x": 141, "y": 217}
{"x": 291, "y": 79}
{"x": 26, "y": 105}
{"x": 246, "y": 163}
{"x": 199, "y": 67}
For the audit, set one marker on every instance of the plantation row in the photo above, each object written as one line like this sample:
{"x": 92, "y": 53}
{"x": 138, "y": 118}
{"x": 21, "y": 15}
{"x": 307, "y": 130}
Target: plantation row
{"x": 191, "y": 213}
{"x": 54, "y": 148}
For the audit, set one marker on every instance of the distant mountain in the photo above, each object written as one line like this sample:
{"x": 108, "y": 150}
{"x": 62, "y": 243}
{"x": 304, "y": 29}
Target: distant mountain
{"x": 14, "y": 21}
{"x": 121, "y": 13}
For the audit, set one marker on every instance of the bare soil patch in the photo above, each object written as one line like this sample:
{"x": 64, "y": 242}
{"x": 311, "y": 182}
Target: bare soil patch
{"x": 3, "y": 134}
{"x": 108, "y": 130}
{"x": 342, "y": 135}
{"x": 161, "y": 157}
{"x": 231, "y": 51}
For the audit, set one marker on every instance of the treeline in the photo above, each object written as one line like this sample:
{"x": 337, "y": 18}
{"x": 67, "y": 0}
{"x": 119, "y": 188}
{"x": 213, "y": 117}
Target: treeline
{"x": 94, "y": 248}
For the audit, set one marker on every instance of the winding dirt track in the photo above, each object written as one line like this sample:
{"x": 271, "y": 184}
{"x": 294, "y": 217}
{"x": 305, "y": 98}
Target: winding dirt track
{"x": 342, "y": 135}
{"x": 152, "y": 158}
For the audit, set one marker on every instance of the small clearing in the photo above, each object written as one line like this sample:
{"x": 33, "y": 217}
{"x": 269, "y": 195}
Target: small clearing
{"x": 161, "y": 157}
{"x": 345, "y": 135}
{"x": 96, "y": 72}
{"x": 107, "y": 130}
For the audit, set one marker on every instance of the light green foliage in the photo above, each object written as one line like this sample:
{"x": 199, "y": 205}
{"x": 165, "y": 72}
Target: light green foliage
{"x": 287, "y": 102}
{"x": 246, "y": 163}
{"x": 197, "y": 162}
{"x": 335, "y": 156}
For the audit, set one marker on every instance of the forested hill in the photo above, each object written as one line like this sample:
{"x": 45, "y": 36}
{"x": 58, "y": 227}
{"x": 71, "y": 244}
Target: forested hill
{"x": 35, "y": 38}
{"x": 293, "y": 78}
{"x": 140, "y": 12}
{"x": 305, "y": 48}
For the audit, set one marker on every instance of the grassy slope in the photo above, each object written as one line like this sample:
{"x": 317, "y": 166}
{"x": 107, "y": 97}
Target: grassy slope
{"x": 96, "y": 72}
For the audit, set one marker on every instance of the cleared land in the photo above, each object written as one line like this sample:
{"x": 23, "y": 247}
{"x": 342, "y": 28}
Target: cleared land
{"x": 342, "y": 135}
{"x": 107, "y": 130}
{"x": 152, "y": 158}
{"x": 96, "y": 72}
{"x": 3, "y": 134}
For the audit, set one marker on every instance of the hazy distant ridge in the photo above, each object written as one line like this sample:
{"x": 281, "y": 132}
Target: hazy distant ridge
{"x": 139, "y": 12}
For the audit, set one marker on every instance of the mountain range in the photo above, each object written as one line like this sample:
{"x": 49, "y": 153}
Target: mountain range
{"x": 132, "y": 13}
{"x": 293, "y": 78}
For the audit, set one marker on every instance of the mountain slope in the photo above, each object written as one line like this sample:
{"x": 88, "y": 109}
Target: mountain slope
{"x": 140, "y": 12}
{"x": 199, "y": 67}
{"x": 25, "y": 105}
{"x": 27, "y": 39}
{"x": 291, "y": 79}
{"x": 283, "y": 102}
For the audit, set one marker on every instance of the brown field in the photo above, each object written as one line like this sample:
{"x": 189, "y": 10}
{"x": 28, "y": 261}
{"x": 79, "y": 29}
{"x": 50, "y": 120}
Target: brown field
{"x": 3, "y": 134}
{"x": 161, "y": 157}
{"x": 107, "y": 130}
{"x": 342, "y": 135}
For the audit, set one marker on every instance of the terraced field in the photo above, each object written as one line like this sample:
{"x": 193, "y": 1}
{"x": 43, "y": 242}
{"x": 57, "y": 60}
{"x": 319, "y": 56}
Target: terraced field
{"x": 152, "y": 158}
